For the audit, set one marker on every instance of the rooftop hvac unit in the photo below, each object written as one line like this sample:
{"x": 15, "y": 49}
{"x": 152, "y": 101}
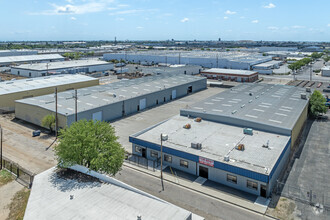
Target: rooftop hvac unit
{"x": 164, "y": 137}
{"x": 226, "y": 158}
{"x": 195, "y": 145}
{"x": 266, "y": 145}
{"x": 303, "y": 96}
{"x": 240, "y": 147}
{"x": 248, "y": 131}
{"x": 308, "y": 89}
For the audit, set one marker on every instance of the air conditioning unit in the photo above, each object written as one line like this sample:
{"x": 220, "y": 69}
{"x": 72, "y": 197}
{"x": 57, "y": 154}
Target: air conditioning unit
{"x": 303, "y": 96}
{"x": 195, "y": 145}
{"x": 226, "y": 158}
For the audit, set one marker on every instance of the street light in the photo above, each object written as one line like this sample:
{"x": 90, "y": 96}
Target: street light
{"x": 163, "y": 137}
{"x": 1, "y": 147}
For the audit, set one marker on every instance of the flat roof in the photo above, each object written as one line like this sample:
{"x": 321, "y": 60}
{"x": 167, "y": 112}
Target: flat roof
{"x": 219, "y": 140}
{"x": 60, "y": 65}
{"x": 325, "y": 68}
{"x": 259, "y": 104}
{"x": 21, "y": 85}
{"x": 102, "y": 95}
{"x": 229, "y": 71}
{"x": 27, "y": 58}
{"x": 268, "y": 64}
{"x": 94, "y": 196}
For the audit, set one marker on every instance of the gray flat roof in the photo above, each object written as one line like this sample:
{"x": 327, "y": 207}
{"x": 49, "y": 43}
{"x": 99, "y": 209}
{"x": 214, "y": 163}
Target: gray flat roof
{"x": 229, "y": 71}
{"x": 268, "y": 64}
{"x": 275, "y": 105}
{"x": 22, "y": 85}
{"x": 60, "y": 65}
{"x": 27, "y": 58}
{"x": 95, "y": 196}
{"x": 219, "y": 140}
{"x": 102, "y": 95}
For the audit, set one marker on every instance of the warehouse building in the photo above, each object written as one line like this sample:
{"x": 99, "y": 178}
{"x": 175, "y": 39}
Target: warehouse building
{"x": 14, "y": 60}
{"x": 326, "y": 71}
{"x": 111, "y": 101}
{"x": 231, "y": 74}
{"x": 231, "y": 60}
{"x": 25, "y": 88}
{"x": 7, "y": 53}
{"x": 267, "y": 67}
{"x": 80, "y": 193}
{"x": 66, "y": 67}
{"x": 241, "y": 137}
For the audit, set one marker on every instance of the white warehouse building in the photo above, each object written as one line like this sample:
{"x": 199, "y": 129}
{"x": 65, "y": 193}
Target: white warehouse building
{"x": 7, "y": 53}
{"x": 66, "y": 67}
{"x": 231, "y": 60}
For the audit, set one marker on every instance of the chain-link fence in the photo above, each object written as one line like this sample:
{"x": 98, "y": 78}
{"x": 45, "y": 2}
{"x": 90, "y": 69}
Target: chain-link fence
{"x": 22, "y": 175}
{"x": 308, "y": 196}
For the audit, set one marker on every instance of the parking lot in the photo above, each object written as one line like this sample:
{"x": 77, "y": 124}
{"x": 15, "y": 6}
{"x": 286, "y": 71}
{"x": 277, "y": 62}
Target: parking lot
{"x": 309, "y": 177}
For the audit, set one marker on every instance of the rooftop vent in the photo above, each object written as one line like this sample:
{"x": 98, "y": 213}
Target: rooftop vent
{"x": 250, "y": 101}
{"x": 240, "y": 147}
{"x": 308, "y": 89}
{"x": 250, "y": 94}
{"x": 187, "y": 126}
{"x": 139, "y": 217}
{"x": 198, "y": 119}
{"x": 226, "y": 158}
{"x": 303, "y": 96}
{"x": 233, "y": 112}
{"x": 197, "y": 146}
{"x": 242, "y": 106}
{"x": 266, "y": 145}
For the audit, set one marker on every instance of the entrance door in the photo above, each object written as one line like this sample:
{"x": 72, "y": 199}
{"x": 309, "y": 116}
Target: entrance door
{"x": 143, "y": 104}
{"x": 204, "y": 172}
{"x": 173, "y": 94}
{"x": 144, "y": 153}
{"x": 189, "y": 90}
{"x": 263, "y": 191}
{"x": 97, "y": 116}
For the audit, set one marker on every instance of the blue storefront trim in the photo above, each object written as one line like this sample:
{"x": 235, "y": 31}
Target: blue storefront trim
{"x": 219, "y": 165}
{"x": 279, "y": 160}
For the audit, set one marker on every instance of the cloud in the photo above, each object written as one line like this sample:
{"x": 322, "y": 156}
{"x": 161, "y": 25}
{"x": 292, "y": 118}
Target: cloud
{"x": 139, "y": 27}
{"x": 228, "y": 12}
{"x": 298, "y": 27}
{"x": 132, "y": 11}
{"x": 225, "y": 17}
{"x": 273, "y": 28}
{"x": 185, "y": 20}
{"x": 242, "y": 17}
{"x": 73, "y": 18}
{"x": 270, "y": 5}
{"x": 255, "y": 21}
{"x": 88, "y": 6}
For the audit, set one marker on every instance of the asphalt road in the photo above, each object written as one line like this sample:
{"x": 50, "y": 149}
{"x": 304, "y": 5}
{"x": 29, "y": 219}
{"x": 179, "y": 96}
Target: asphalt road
{"x": 197, "y": 203}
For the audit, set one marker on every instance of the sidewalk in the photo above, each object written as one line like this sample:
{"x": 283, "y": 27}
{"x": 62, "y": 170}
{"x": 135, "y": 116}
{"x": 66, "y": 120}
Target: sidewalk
{"x": 258, "y": 205}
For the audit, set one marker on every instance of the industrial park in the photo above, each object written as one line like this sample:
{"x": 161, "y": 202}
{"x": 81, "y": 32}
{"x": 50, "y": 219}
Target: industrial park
{"x": 174, "y": 127}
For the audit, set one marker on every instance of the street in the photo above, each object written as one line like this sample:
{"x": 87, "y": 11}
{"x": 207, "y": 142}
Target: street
{"x": 198, "y": 203}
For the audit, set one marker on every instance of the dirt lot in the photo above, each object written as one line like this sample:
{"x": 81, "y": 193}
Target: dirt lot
{"x": 20, "y": 147}
{"x": 6, "y": 76}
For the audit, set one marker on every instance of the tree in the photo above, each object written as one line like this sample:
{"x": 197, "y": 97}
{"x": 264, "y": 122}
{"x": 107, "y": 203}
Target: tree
{"x": 49, "y": 122}
{"x": 317, "y": 104}
{"x": 92, "y": 144}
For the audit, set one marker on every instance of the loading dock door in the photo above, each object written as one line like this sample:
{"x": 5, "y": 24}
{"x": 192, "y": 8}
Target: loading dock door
{"x": 173, "y": 94}
{"x": 97, "y": 116}
{"x": 143, "y": 104}
{"x": 204, "y": 172}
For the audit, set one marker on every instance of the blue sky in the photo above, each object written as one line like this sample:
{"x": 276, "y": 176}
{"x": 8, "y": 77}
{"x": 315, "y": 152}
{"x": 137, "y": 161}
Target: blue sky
{"x": 284, "y": 20}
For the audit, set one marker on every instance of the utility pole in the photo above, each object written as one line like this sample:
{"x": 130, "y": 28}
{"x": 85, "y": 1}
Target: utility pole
{"x": 217, "y": 60}
{"x": 1, "y": 147}
{"x": 311, "y": 72}
{"x": 161, "y": 160}
{"x": 76, "y": 104}
{"x": 56, "y": 119}
{"x": 179, "y": 57}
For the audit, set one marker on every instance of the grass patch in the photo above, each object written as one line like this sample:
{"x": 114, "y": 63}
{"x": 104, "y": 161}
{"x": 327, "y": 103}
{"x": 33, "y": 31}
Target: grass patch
{"x": 18, "y": 204}
{"x": 5, "y": 177}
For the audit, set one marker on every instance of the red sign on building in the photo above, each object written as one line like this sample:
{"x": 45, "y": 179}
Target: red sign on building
{"x": 206, "y": 162}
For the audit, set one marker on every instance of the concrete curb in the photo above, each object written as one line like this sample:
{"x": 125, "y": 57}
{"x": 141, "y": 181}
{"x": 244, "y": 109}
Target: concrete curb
{"x": 195, "y": 190}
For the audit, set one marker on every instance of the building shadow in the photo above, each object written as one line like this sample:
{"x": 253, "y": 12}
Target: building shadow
{"x": 66, "y": 180}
